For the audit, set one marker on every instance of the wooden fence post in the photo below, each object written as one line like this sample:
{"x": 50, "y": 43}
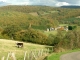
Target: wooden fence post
{"x": 8, "y": 56}
{"x": 34, "y": 56}
{"x": 48, "y": 50}
{"x": 13, "y": 56}
{"x": 3, "y": 58}
{"x": 25, "y": 55}
{"x": 41, "y": 52}
{"x": 28, "y": 57}
{"x": 38, "y": 53}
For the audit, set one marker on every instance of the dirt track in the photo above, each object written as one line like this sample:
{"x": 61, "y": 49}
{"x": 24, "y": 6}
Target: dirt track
{"x": 71, "y": 56}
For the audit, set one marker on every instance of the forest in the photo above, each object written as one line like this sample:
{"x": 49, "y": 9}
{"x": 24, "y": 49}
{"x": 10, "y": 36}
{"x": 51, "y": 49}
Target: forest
{"x": 28, "y": 24}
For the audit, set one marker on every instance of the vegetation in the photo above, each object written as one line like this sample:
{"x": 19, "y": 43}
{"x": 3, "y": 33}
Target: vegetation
{"x": 7, "y": 46}
{"x": 30, "y": 24}
{"x": 56, "y": 56}
{"x": 46, "y": 16}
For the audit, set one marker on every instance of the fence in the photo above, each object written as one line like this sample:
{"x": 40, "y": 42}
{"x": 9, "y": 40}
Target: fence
{"x": 31, "y": 55}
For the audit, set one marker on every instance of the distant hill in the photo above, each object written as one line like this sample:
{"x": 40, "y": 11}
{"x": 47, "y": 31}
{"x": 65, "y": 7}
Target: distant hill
{"x": 23, "y": 16}
{"x": 70, "y": 6}
{"x": 39, "y": 17}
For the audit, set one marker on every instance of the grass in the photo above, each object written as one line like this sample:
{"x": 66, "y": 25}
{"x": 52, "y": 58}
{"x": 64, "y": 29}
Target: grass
{"x": 34, "y": 13}
{"x": 53, "y": 11}
{"x": 56, "y": 56}
{"x": 50, "y": 32}
{"x": 7, "y": 46}
{"x": 63, "y": 25}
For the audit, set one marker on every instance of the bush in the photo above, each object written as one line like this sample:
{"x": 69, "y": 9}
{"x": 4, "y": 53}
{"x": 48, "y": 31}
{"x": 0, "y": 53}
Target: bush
{"x": 31, "y": 35}
{"x": 11, "y": 30}
{"x": 71, "y": 27}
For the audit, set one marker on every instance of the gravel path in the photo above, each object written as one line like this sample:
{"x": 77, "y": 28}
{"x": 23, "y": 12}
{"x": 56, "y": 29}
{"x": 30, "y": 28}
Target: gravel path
{"x": 71, "y": 56}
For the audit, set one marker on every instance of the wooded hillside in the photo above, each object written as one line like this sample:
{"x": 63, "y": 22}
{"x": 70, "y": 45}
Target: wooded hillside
{"x": 27, "y": 23}
{"x": 36, "y": 16}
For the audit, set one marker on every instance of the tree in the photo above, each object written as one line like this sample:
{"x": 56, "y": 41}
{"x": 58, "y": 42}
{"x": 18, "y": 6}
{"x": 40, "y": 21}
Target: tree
{"x": 58, "y": 39}
{"x": 70, "y": 37}
{"x": 31, "y": 35}
{"x": 11, "y": 30}
{"x": 50, "y": 39}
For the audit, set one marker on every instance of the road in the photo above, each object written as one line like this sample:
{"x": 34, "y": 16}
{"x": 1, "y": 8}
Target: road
{"x": 71, "y": 56}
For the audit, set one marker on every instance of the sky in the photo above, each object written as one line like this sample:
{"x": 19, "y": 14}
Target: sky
{"x": 40, "y": 2}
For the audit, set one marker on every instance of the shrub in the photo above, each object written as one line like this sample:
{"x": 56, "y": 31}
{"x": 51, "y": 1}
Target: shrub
{"x": 31, "y": 35}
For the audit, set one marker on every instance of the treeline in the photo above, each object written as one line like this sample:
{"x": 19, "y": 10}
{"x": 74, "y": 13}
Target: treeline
{"x": 70, "y": 6}
{"x": 65, "y": 40}
{"x": 63, "y": 13}
{"x": 29, "y": 35}
{"x": 72, "y": 20}
{"x": 26, "y": 9}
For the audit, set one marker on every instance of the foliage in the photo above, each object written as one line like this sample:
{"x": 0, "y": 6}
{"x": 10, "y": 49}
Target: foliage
{"x": 20, "y": 23}
{"x": 47, "y": 16}
{"x": 70, "y": 40}
{"x": 50, "y": 39}
{"x": 11, "y": 30}
{"x": 71, "y": 20}
{"x": 71, "y": 27}
{"x": 56, "y": 56}
{"x": 31, "y": 35}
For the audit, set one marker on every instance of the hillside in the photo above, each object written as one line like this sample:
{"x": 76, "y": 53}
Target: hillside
{"x": 39, "y": 17}
{"x": 70, "y": 6}
{"x": 24, "y": 16}
{"x": 21, "y": 18}
{"x": 7, "y": 46}
{"x": 53, "y": 26}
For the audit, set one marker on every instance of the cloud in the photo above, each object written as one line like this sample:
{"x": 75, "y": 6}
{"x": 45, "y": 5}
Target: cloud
{"x": 62, "y": 3}
{"x": 73, "y": 2}
{"x": 42, "y": 2}
{"x": 78, "y": 3}
{"x": 2, "y": 0}
{"x": 18, "y": 2}
{"x": 3, "y": 3}
{"x": 32, "y": 2}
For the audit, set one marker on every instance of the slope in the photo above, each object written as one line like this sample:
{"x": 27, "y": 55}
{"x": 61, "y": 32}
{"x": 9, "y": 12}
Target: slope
{"x": 7, "y": 46}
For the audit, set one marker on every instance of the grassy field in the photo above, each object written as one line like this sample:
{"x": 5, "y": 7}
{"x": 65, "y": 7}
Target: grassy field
{"x": 7, "y": 46}
{"x": 63, "y": 25}
{"x": 50, "y": 32}
{"x": 56, "y": 56}
{"x": 34, "y": 13}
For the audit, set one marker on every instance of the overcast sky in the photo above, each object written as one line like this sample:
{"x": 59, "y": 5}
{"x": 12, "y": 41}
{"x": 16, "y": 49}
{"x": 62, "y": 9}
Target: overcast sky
{"x": 40, "y": 2}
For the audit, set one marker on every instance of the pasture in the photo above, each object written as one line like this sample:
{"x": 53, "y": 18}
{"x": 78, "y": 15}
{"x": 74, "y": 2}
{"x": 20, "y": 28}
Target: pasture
{"x": 50, "y": 32}
{"x": 34, "y": 13}
{"x": 7, "y": 46}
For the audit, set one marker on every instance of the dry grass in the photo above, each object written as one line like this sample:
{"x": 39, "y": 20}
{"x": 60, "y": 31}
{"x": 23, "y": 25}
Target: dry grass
{"x": 7, "y": 46}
